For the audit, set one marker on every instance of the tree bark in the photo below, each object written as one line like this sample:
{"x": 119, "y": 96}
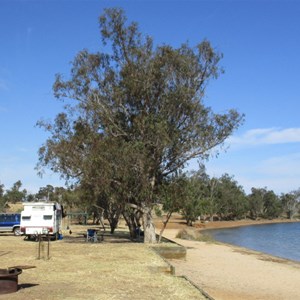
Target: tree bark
{"x": 149, "y": 227}
{"x": 131, "y": 225}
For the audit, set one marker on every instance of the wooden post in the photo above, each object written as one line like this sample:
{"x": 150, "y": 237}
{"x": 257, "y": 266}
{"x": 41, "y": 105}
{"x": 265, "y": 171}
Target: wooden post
{"x": 39, "y": 250}
{"x": 48, "y": 249}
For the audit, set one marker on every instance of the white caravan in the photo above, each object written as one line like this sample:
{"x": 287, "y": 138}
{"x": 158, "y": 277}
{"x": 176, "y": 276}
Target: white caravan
{"x": 41, "y": 218}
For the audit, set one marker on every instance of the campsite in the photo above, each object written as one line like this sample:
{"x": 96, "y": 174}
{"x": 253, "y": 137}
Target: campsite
{"x": 74, "y": 268}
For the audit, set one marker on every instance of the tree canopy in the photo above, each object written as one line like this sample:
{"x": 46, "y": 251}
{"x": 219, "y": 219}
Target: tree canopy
{"x": 134, "y": 115}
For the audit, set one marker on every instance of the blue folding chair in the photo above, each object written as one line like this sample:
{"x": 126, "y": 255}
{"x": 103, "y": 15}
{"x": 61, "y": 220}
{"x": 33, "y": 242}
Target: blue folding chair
{"x": 91, "y": 236}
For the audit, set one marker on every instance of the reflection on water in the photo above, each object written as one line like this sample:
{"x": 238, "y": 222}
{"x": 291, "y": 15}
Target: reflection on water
{"x": 281, "y": 240}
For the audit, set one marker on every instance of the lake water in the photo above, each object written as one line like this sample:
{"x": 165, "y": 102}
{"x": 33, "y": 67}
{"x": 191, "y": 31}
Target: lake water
{"x": 281, "y": 239}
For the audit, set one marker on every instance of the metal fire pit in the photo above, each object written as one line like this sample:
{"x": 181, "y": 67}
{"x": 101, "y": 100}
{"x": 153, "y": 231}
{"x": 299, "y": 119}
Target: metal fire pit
{"x": 9, "y": 280}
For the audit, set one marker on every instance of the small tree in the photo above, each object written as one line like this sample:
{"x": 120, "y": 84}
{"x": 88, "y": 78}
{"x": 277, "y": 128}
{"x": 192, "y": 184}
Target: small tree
{"x": 290, "y": 203}
{"x": 272, "y": 205}
{"x": 172, "y": 196}
{"x": 232, "y": 202}
{"x": 256, "y": 202}
{"x": 212, "y": 196}
{"x": 264, "y": 203}
{"x": 194, "y": 197}
{"x": 15, "y": 194}
{"x": 46, "y": 193}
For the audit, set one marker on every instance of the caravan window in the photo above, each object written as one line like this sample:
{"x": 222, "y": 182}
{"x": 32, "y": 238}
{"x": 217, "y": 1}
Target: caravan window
{"x": 26, "y": 218}
{"x": 47, "y": 217}
{"x": 38, "y": 208}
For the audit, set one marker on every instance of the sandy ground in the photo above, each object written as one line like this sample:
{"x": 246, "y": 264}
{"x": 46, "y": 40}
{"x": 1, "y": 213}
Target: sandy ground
{"x": 229, "y": 272}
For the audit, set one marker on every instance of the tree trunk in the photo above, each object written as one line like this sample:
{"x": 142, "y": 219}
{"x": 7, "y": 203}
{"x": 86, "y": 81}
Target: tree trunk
{"x": 102, "y": 222}
{"x": 164, "y": 225}
{"x": 113, "y": 223}
{"x": 149, "y": 228}
{"x": 131, "y": 225}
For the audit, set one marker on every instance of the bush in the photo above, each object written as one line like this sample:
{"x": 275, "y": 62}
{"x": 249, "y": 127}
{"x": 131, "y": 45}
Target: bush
{"x": 193, "y": 235}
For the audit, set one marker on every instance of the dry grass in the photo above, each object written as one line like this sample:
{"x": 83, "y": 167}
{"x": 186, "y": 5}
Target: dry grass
{"x": 194, "y": 235}
{"x": 113, "y": 269}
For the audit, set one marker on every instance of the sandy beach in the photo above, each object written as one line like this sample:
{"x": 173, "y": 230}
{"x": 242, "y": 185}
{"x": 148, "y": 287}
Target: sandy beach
{"x": 230, "y": 272}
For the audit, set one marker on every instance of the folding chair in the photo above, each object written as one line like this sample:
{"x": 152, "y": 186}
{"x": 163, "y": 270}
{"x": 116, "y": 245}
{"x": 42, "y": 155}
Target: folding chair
{"x": 91, "y": 235}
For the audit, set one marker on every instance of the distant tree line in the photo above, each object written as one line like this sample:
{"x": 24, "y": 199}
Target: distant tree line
{"x": 194, "y": 195}
{"x": 16, "y": 194}
{"x": 12, "y": 195}
{"x": 200, "y": 196}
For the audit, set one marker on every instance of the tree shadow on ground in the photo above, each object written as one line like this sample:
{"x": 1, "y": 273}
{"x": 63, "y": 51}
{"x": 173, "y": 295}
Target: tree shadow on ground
{"x": 26, "y": 285}
{"x": 103, "y": 237}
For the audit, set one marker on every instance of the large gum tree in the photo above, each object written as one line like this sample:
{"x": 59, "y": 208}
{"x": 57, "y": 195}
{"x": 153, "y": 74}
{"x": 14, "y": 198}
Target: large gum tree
{"x": 134, "y": 115}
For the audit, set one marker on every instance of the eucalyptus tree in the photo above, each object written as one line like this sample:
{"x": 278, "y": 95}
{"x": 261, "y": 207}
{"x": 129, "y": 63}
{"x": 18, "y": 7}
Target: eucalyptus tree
{"x": 264, "y": 203}
{"x": 256, "y": 202}
{"x": 173, "y": 195}
{"x": 148, "y": 100}
{"x": 290, "y": 203}
{"x": 46, "y": 193}
{"x": 15, "y": 194}
{"x": 194, "y": 198}
{"x": 212, "y": 197}
{"x": 232, "y": 202}
{"x": 272, "y": 205}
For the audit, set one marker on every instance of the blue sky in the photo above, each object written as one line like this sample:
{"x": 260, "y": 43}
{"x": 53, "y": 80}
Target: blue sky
{"x": 260, "y": 41}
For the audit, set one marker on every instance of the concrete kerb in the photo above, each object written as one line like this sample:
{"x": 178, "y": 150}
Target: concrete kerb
{"x": 171, "y": 268}
{"x": 198, "y": 288}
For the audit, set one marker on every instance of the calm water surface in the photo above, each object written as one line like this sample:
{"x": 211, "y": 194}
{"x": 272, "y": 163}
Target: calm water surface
{"x": 281, "y": 240}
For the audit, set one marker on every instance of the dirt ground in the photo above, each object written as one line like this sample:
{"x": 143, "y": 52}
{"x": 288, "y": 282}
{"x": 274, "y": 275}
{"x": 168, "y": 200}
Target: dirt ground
{"x": 113, "y": 269}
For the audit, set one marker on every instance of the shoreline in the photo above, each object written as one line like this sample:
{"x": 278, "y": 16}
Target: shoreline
{"x": 245, "y": 248}
{"x": 231, "y": 272}
{"x": 177, "y": 222}
{"x": 239, "y": 223}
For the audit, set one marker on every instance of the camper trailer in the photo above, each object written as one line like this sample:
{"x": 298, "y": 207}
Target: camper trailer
{"x": 41, "y": 218}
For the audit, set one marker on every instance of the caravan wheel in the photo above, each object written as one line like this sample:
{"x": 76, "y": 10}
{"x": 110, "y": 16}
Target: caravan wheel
{"x": 54, "y": 237}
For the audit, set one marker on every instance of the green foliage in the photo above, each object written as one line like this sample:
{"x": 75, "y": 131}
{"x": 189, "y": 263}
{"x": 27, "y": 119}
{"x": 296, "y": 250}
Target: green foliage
{"x": 158, "y": 211}
{"x": 14, "y": 194}
{"x": 272, "y": 205}
{"x": 264, "y": 203}
{"x": 290, "y": 203}
{"x": 193, "y": 202}
{"x": 232, "y": 202}
{"x": 221, "y": 197}
{"x": 256, "y": 202}
{"x": 46, "y": 193}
